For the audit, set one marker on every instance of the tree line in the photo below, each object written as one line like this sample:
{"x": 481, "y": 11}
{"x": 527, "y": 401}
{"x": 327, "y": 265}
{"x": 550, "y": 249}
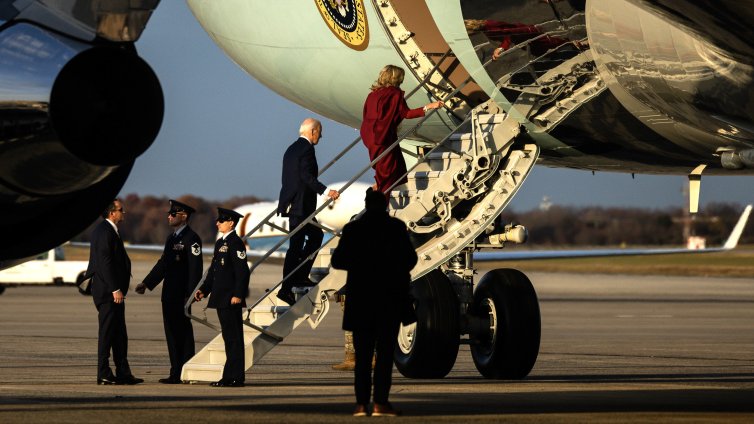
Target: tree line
{"x": 146, "y": 220}
{"x": 614, "y": 226}
{"x": 558, "y": 226}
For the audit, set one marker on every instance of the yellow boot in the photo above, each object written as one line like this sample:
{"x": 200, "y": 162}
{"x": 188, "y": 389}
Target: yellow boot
{"x": 348, "y": 364}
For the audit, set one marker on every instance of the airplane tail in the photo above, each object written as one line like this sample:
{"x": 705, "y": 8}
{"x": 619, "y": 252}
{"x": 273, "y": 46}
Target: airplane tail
{"x": 732, "y": 241}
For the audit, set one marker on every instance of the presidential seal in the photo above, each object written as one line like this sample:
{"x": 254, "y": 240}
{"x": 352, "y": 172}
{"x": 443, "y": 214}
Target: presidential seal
{"x": 346, "y": 19}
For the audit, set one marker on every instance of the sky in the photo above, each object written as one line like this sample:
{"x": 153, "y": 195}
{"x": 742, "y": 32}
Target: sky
{"x": 224, "y": 135}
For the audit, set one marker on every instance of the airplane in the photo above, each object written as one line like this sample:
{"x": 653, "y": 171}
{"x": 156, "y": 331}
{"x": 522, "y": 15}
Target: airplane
{"x": 334, "y": 216}
{"x": 659, "y": 87}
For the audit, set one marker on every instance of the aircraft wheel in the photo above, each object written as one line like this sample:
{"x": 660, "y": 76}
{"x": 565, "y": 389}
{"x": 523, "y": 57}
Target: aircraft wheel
{"x": 428, "y": 348}
{"x": 506, "y": 300}
{"x": 85, "y": 288}
{"x": 2, "y": 289}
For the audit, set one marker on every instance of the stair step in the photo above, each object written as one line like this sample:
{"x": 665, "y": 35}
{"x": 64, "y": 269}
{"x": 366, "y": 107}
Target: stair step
{"x": 202, "y": 372}
{"x": 421, "y": 180}
{"x": 400, "y": 198}
{"x": 264, "y": 315}
{"x": 439, "y": 161}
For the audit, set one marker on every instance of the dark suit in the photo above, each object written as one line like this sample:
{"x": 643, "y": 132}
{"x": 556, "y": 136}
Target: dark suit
{"x": 378, "y": 255}
{"x": 111, "y": 270}
{"x": 298, "y": 200}
{"x": 180, "y": 266}
{"x": 228, "y": 277}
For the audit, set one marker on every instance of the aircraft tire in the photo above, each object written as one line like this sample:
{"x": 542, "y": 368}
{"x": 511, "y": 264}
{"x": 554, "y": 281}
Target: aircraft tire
{"x": 510, "y": 348}
{"x": 428, "y": 349}
{"x": 2, "y": 289}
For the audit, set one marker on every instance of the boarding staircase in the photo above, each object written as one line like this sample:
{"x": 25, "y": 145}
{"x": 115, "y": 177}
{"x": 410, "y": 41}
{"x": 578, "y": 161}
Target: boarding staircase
{"x": 453, "y": 195}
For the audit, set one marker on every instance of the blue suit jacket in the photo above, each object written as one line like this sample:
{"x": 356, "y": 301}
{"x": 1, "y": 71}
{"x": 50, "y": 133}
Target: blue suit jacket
{"x": 298, "y": 195}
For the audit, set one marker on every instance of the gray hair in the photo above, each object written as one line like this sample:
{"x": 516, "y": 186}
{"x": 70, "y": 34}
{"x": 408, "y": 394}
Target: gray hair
{"x": 308, "y": 124}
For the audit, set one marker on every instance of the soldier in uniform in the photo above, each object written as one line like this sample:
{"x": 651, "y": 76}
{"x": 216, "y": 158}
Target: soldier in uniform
{"x": 180, "y": 266}
{"x": 228, "y": 283}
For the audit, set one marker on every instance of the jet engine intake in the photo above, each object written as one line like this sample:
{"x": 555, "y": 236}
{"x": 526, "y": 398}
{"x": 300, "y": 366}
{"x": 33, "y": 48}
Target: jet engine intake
{"x": 74, "y": 116}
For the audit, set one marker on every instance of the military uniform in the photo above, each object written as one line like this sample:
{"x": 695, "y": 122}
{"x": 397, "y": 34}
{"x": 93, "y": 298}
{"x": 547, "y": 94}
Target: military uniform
{"x": 180, "y": 267}
{"x": 228, "y": 277}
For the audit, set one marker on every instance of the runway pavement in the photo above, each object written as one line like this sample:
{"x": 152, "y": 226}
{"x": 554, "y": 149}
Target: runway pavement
{"x": 614, "y": 349}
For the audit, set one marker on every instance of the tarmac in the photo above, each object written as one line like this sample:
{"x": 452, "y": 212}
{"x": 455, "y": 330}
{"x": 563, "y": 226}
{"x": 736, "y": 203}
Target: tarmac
{"x": 613, "y": 349}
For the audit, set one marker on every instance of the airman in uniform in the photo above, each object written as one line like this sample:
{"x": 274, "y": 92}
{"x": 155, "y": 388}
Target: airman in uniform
{"x": 180, "y": 267}
{"x": 227, "y": 285}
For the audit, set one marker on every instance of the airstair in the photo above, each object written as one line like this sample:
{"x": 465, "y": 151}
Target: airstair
{"x": 454, "y": 193}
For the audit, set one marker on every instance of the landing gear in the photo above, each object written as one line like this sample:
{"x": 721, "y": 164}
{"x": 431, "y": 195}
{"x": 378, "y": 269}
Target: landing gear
{"x": 2, "y": 289}
{"x": 507, "y": 347}
{"x": 428, "y": 348}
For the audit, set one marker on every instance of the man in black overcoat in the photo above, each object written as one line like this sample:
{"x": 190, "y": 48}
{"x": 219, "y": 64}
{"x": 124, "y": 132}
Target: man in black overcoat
{"x": 227, "y": 285}
{"x": 298, "y": 200}
{"x": 376, "y": 251}
{"x": 110, "y": 269}
{"x": 180, "y": 266}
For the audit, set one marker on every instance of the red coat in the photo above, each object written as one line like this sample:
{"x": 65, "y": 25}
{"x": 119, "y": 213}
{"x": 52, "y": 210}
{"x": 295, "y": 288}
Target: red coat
{"x": 384, "y": 109}
{"x": 509, "y": 34}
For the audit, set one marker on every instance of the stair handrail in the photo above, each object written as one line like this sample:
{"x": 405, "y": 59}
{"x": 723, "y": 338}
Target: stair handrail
{"x": 401, "y": 137}
{"x": 292, "y": 232}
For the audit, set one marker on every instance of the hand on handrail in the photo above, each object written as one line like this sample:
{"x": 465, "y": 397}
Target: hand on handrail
{"x": 333, "y": 194}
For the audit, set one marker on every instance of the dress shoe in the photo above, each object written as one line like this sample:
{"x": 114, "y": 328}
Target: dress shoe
{"x": 384, "y": 410}
{"x": 130, "y": 380}
{"x": 360, "y": 411}
{"x": 170, "y": 380}
{"x": 107, "y": 381}
{"x": 287, "y": 297}
{"x": 227, "y": 383}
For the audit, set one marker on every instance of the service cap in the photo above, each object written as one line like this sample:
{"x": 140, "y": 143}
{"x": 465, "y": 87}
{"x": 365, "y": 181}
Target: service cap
{"x": 228, "y": 215}
{"x": 176, "y": 206}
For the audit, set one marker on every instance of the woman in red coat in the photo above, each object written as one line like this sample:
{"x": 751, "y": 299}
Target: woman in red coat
{"x": 384, "y": 109}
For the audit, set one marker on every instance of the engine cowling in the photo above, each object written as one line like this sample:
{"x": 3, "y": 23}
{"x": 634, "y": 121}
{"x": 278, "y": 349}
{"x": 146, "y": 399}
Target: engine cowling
{"x": 73, "y": 118}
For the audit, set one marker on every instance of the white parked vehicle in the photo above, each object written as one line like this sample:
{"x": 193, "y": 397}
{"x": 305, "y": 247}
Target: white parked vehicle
{"x": 48, "y": 268}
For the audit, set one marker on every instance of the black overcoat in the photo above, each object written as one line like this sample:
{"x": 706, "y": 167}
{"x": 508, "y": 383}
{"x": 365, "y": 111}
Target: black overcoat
{"x": 378, "y": 255}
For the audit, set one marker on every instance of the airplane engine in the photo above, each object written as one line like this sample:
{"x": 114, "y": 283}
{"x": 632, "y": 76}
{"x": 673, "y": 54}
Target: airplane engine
{"x": 74, "y": 115}
{"x": 683, "y": 71}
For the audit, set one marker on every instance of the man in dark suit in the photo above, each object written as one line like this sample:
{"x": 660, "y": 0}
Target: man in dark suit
{"x": 180, "y": 266}
{"x": 228, "y": 283}
{"x": 377, "y": 253}
{"x": 298, "y": 200}
{"x": 110, "y": 269}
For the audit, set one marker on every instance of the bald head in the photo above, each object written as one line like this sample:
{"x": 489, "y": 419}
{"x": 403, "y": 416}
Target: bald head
{"x": 311, "y": 129}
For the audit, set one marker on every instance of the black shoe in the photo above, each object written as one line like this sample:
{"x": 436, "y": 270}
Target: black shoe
{"x": 287, "y": 297}
{"x": 130, "y": 380}
{"x": 227, "y": 383}
{"x": 170, "y": 380}
{"x": 107, "y": 381}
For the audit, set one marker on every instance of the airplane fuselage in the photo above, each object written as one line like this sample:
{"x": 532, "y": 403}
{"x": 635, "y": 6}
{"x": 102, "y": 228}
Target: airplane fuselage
{"x": 678, "y": 93}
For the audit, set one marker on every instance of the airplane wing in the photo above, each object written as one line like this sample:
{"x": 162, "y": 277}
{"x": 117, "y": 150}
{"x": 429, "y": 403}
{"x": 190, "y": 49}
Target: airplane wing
{"x": 729, "y": 244}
